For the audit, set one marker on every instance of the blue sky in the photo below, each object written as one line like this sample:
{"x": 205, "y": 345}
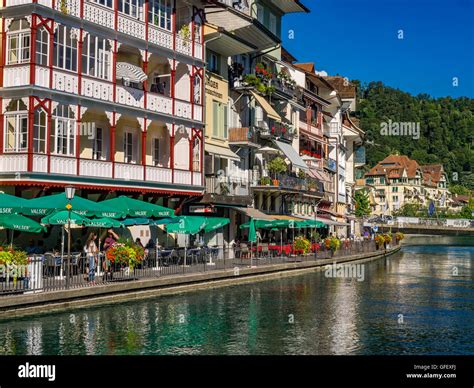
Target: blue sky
{"x": 359, "y": 39}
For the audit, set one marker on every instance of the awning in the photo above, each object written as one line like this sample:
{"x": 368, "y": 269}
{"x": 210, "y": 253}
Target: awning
{"x": 328, "y": 221}
{"x": 318, "y": 175}
{"x": 221, "y": 151}
{"x": 249, "y": 212}
{"x": 130, "y": 72}
{"x": 271, "y": 113}
{"x": 227, "y": 44}
{"x": 291, "y": 154}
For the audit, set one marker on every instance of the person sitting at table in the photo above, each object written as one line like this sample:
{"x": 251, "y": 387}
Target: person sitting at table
{"x": 111, "y": 239}
{"x": 31, "y": 248}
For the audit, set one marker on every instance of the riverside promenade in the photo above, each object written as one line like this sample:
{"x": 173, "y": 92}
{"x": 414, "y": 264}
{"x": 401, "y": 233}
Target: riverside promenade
{"x": 193, "y": 277}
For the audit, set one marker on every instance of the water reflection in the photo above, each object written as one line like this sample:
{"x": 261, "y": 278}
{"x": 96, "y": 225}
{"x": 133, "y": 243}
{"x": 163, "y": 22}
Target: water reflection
{"x": 410, "y": 303}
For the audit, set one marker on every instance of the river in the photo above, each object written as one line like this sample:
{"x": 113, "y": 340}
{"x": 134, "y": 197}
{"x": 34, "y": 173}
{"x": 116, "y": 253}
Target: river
{"x": 418, "y": 301}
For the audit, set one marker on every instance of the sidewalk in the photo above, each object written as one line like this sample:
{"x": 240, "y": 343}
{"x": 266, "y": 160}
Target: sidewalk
{"x": 50, "y": 301}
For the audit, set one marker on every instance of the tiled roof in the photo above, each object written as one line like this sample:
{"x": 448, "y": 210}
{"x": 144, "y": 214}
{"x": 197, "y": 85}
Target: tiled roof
{"x": 393, "y": 166}
{"x": 432, "y": 174}
{"x": 344, "y": 88}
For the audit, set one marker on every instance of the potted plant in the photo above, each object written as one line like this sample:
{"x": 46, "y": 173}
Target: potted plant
{"x": 388, "y": 239}
{"x": 277, "y": 166}
{"x": 13, "y": 263}
{"x": 185, "y": 33}
{"x": 125, "y": 253}
{"x": 63, "y": 7}
{"x": 301, "y": 246}
{"x": 379, "y": 240}
{"x": 265, "y": 181}
{"x": 399, "y": 236}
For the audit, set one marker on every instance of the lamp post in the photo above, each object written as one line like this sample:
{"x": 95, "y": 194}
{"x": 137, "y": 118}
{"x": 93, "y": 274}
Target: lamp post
{"x": 69, "y": 190}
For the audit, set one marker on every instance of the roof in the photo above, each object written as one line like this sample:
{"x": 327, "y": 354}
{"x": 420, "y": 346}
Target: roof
{"x": 432, "y": 174}
{"x": 308, "y": 67}
{"x": 393, "y": 166}
{"x": 344, "y": 88}
{"x": 286, "y": 56}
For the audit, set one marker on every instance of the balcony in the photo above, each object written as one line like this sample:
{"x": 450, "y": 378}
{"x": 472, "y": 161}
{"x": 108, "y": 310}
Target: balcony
{"x": 289, "y": 183}
{"x": 330, "y": 164}
{"x": 220, "y": 186}
{"x": 244, "y": 136}
{"x": 311, "y": 128}
{"x": 131, "y": 26}
{"x": 84, "y": 169}
{"x": 99, "y": 89}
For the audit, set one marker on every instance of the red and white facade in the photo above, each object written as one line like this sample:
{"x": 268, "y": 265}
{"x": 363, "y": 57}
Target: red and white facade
{"x": 69, "y": 113}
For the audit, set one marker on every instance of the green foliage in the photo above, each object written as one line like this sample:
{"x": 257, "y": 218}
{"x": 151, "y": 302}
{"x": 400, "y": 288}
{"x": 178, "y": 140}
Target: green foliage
{"x": 459, "y": 190}
{"x": 446, "y": 128}
{"x": 260, "y": 86}
{"x": 277, "y": 166}
{"x": 265, "y": 181}
{"x": 409, "y": 210}
{"x": 302, "y": 245}
{"x": 362, "y": 203}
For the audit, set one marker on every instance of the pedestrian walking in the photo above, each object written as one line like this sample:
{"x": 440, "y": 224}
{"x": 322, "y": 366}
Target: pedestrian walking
{"x": 91, "y": 251}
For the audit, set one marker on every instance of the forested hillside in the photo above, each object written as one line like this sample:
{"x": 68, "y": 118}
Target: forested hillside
{"x": 446, "y": 128}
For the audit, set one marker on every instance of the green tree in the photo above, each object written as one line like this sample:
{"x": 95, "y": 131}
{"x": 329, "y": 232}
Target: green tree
{"x": 362, "y": 203}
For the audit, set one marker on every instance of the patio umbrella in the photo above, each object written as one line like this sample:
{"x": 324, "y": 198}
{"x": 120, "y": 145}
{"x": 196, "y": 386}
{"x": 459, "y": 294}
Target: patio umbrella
{"x": 19, "y": 222}
{"x": 252, "y": 237}
{"x": 187, "y": 225}
{"x": 43, "y": 205}
{"x": 214, "y": 223}
{"x": 136, "y": 221}
{"x": 104, "y": 222}
{"x": 10, "y": 204}
{"x": 166, "y": 221}
{"x": 136, "y": 208}
{"x": 61, "y": 218}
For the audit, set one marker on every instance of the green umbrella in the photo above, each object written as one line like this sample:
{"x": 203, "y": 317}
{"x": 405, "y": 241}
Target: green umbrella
{"x": 215, "y": 223}
{"x": 61, "y": 218}
{"x": 166, "y": 221}
{"x": 314, "y": 224}
{"x": 135, "y": 221}
{"x": 19, "y": 222}
{"x": 252, "y": 231}
{"x": 43, "y": 205}
{"x": 104, "y": 223}
{"x": 187, "y": 225}
{"x": 262, "y": 224}
{"x": 136, "y": 208}
{"x": 10, "y": 204}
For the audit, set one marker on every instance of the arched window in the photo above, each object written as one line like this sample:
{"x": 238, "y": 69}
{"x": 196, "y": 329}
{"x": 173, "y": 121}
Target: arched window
{"x": 96, "y": 57}
{"x": 65, "y": 49}
{"x": 42, "y": 46}
{"x": 39, "y": 131}
{"x": 18, "y": 42}
{"x": 16, "y": 127}
{"x": 63, "y": 131}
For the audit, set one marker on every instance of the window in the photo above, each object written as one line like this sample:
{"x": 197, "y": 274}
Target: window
{"x": 197, "y": 89}
{"x": 65, "y": 49}
{"x": 107, "y": 3}
{"x": 213, "y": 64}
{"x": 272, "y": 26}
{"x": 96, "y": 57}
{"x": 159, "y": 13}
{"x": 128, "y": 147}
{"x": 39, "y": 132}
{"x": 97, "y": 144}
{"x": 395, "y": 189}
{"x": 215, "y": 118}
{"x": 260, "y": 13}
{"x": 395, "y": 198}
{"x": 63, "y": 132}
{"x": 18, "y": 42}
{"x": 42, "y": 43}
{"x": 156, "y": 152}
{"x": 130, "y": 7}
{"x": 196, "y": 155}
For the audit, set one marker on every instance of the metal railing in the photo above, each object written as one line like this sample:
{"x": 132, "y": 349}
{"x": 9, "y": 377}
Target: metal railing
{"x": 48, "y": 273}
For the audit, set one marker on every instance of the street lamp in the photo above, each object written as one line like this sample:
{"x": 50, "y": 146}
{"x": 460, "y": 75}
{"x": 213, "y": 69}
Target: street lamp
{"x": 70, "y": 191}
